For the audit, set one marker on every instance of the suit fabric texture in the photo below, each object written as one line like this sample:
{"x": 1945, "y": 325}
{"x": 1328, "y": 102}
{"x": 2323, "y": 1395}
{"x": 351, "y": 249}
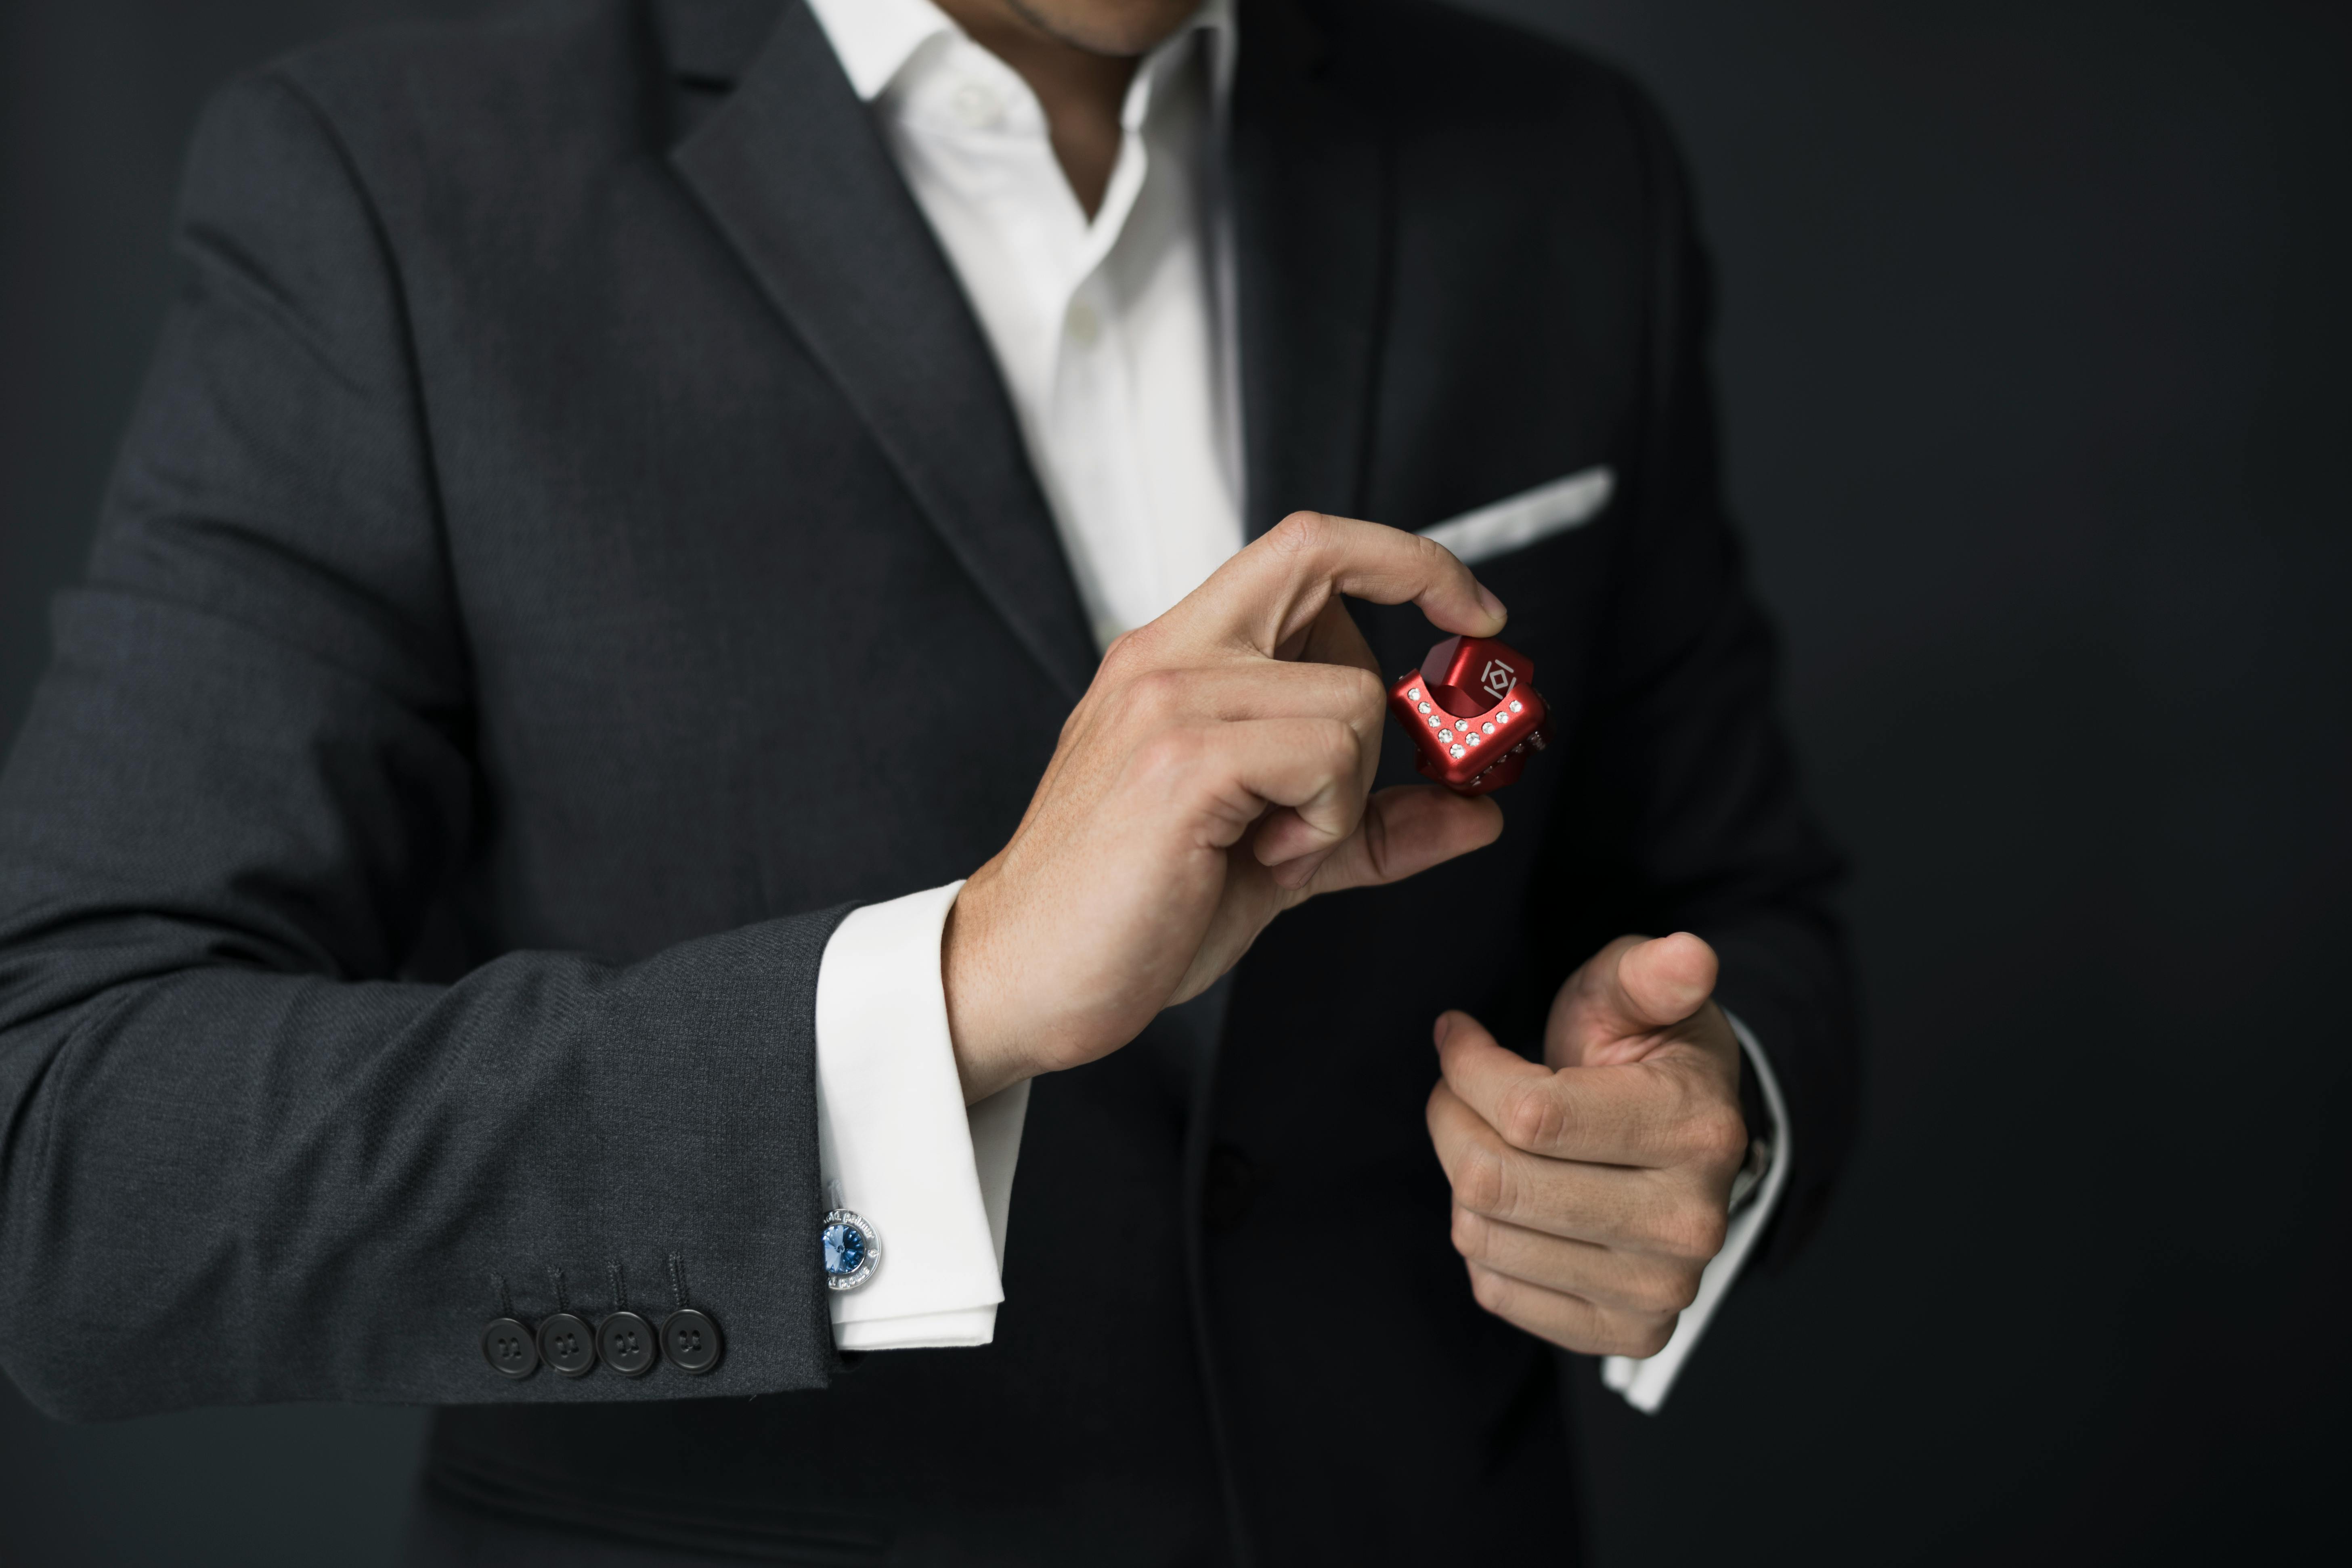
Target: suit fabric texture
{"x": 573, "y": 546}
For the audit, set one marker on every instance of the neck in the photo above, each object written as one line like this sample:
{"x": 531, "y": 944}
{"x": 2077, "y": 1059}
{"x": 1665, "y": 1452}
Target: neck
{"x": 1080, "y": 89}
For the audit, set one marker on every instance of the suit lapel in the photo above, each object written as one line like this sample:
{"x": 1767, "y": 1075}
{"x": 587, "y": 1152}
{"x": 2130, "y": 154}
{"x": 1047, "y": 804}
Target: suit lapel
{"x": 800, "y": 182}
{"x": 1310, "y": 198}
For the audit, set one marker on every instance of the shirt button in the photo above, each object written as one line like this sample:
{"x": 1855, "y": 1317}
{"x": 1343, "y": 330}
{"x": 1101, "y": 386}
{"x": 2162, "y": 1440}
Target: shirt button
{"x": 1085, "y": 325}
{"x": 567, "y": 1344}
{"x": 691, "y": 1340}
{"x": 509, "y": 1347}
{"x": 976, "y": 106}
{"x": 625, "y": 1342}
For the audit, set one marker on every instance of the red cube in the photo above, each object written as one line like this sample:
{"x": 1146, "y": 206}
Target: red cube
{"x": 1473, "y": 711}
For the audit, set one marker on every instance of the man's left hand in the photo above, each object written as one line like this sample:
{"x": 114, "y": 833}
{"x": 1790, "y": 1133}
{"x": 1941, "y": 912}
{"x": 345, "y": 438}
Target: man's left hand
{"x": 1590, "y": 1191}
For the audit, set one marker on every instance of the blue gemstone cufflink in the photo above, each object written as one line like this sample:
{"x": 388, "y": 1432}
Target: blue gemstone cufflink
{"x": 851, "y": 1250}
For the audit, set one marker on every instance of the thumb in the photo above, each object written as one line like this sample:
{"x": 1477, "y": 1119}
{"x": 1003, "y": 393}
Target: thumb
{"x": 1625, "y": 994}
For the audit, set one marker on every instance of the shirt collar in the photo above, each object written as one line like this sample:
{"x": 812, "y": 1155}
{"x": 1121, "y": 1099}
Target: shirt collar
{"x": 877, "y": 38}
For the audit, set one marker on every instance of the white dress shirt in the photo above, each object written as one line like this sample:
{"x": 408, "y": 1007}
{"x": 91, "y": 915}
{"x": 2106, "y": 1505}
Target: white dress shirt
{"x": 1115, "y": 341}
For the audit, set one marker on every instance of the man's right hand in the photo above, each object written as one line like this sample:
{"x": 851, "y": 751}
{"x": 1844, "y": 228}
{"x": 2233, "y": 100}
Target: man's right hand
{"x": 1216, "y": 773}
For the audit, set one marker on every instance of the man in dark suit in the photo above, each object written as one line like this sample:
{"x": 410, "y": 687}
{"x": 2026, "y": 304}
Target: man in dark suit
{"x": 607, "y": 531}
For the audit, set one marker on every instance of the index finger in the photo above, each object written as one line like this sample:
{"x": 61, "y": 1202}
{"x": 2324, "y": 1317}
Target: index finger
{"x": 1267, "y": 597}
{"x": 1633, "y": 1114}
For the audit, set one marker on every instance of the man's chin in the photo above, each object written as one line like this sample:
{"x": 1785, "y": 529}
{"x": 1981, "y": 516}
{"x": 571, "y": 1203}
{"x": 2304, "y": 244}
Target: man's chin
{"x": 1121, "y": 29}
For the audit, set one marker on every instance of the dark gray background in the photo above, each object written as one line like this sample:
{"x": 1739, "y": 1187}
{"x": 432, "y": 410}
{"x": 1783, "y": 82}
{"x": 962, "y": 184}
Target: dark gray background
{"x": 2035, "y": 353}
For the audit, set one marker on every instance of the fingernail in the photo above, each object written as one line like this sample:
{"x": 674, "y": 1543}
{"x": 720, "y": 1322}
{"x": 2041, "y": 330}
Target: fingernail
{"x": 1490, "y": 604}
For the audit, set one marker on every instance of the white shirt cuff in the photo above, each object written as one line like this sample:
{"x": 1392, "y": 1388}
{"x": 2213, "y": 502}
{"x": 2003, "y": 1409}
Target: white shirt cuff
{"x": 932, "y": 1177}
{"x": 1646, "y": 1382}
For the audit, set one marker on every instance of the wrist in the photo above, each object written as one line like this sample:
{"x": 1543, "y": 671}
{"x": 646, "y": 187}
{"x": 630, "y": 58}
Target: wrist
{"x": 987, "y": 1043}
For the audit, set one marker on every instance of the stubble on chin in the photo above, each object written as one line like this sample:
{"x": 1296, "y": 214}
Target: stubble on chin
{"x": 1123, "y": 31}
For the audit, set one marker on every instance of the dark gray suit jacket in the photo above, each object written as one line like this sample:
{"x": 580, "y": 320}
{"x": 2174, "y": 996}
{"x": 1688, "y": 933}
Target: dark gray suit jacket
{"x": 574, "y": 546}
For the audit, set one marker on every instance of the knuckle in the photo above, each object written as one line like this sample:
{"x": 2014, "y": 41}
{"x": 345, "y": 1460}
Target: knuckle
{"x": 1692, "y": 1231}
{"x": 1491, "y": 1291}
{"x": 1531, "y": 1117}
{"x": 1483, "y": 1182}
{"x": 1130, "y": 655}
{"x": 1154, "y": 696}
{"x": 1716, "y": 1136}
{"x": 1170, "y": 754}
{"x": 1644, "y": 1337}
{"x": 1300, "y": 533}
{"x": 1339, "y": 748}
{"x": 1668, "y": 1290}
{"x": 1368, "y": 693}
{"x": 1684, "y": 1292}
{"x": 1437, "y": 564}
{"x": 1472, "y": 1234}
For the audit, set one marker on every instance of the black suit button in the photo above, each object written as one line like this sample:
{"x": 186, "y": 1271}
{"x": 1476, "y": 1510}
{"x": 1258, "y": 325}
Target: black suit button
{"x": 691, "y": 1339}
{"x": 509, "y": 1347}
{"x": 567, "y": 1344}
{"x": 1228, "y": 1188}
{"x": 625, "y": 1342}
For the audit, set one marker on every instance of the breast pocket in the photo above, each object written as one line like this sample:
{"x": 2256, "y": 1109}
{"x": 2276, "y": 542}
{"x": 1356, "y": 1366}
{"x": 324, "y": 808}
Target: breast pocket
{"x": 1519, "y": 520}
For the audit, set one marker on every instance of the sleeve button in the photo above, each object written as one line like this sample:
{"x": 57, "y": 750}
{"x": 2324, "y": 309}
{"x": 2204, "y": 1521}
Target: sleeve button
{"x": 567, "y": 1344}
{"x": 508, "y": 1345}
{"x": 625, "y": 1342}
{"x": 691, "y": 1340}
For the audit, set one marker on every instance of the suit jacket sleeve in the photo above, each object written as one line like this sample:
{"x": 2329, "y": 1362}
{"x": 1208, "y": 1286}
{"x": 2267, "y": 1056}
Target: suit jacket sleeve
{"x": 1688, "y": 815}
{"x": 241, "y": 1159}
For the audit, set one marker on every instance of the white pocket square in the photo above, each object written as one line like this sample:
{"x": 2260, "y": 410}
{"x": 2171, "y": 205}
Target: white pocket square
{"x": 1523, "y": 519}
